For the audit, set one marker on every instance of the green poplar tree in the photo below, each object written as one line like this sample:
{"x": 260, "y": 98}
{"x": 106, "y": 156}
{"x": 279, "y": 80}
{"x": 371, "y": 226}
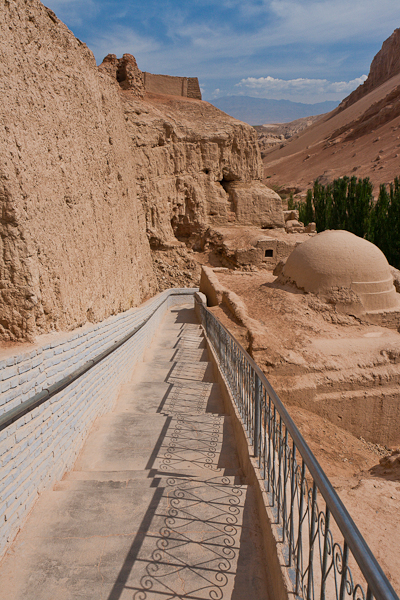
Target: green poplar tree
{"x": 359, "y": 205}
{"x": 378, "y": 223}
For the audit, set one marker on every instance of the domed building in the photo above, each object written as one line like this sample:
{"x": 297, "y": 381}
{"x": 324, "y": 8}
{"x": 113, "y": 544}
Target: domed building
{"x": 344, "y": 270}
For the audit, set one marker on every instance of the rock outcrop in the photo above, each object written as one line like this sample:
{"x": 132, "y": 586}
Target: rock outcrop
{"x": 73, "y": 236}
{"x": 125, "y": 71}
{"x": 88, "y": 165}
{"x": 385, "y": 65}
{"x": 255, "y": 204}
{"x": 196, "y": 166}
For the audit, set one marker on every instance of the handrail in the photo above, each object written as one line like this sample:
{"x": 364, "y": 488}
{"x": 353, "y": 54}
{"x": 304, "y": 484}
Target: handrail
{"x": 241, "y": 371}
{"x": 9, "y": 417}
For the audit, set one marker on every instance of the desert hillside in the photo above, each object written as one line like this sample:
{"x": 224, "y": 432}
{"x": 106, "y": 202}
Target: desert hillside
{"x": 361, "y": 137}
{"x": 276, "y": 134}
{"x": 95, "y": 173}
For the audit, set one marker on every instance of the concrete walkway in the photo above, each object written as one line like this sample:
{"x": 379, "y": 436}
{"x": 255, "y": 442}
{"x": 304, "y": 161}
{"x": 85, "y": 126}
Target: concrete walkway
{"x": 156, "y": 506}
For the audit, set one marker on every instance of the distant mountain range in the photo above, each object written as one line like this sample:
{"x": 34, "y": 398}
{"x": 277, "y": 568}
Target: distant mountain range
{"x": 257, "y": 111}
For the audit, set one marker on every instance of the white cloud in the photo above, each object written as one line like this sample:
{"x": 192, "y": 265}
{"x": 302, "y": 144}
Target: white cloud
{"x": 284, "y": 22}
{"x": 327, "y": 21}
{"x": 332, "y": 39}
{"x": 301, "y": 89}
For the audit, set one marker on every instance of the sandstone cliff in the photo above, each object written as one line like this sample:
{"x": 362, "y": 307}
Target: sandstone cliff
{"x": 88, "y": 165}
{"x": 196, "y": 166}
{"x": 385, "y": 65}
{"x": 73, "y": 238}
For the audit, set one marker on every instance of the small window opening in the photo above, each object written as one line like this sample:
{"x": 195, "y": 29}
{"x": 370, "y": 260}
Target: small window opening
{"x": 269, "y": 253}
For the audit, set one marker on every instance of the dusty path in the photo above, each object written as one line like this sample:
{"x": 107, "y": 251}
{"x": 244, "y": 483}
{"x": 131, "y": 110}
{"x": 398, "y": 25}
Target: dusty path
{"x": 156, "y": 506}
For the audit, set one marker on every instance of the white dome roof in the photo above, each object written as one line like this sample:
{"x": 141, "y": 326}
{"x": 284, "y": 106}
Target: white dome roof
{"x": 339, "y": 259}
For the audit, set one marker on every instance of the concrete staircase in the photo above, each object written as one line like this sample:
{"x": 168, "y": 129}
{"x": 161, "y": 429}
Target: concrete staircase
{"x": 156, "y": 506}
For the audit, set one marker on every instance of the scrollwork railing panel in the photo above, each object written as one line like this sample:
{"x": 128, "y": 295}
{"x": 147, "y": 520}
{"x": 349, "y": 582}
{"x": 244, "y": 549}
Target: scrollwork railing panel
{"x": 326, "y": 554}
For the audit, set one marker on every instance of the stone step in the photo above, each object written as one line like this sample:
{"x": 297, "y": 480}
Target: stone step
{"x": 175, "y": 333}
{"x": 167, "y": 443}
{"x": 173, "y": 372}
{"x": 109, "y": 482}
{"x": 177, "y": 354}
{"x": 164, "y": 341}
{"x": 191, "y": 397}
{"x": 125, "y": 476}
{"x": 182, "y": 328}
{"x": 181, "y": 316}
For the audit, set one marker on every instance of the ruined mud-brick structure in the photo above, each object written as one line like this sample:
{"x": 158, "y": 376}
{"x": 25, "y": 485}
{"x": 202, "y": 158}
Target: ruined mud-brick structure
{"x": 188, "y": 87}
{"x": 128, "y": 75}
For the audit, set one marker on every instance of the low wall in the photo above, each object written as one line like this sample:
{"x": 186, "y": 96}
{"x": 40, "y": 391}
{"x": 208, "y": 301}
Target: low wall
{"x": 210, "y": 286}
{"x": 387, "y": 318}
{"x": 39, "y": 447}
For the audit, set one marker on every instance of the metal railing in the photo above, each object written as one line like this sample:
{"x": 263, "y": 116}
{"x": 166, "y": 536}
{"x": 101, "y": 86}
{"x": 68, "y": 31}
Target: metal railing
{"x": 325, "y": 553}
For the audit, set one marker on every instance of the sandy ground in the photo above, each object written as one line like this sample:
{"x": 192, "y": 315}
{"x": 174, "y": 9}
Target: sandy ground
{"x": 302, "y": 330}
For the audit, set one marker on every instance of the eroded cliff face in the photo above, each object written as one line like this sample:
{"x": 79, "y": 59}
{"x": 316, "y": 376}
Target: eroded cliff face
{"x": 93, "y": 172}
{"x": 196, "y": 166}
{"x": 385, "y": 65}
{"x": 189, "y": 156}
{"x": 73, "y": 236}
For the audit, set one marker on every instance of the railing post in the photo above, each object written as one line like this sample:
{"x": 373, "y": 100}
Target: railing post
{"x": 285, "y": 478}
{"x": 257, "y": 415}
{"x": 310, "y": 583}
{"x": 325, "y": 555}
{"x": 345, "y": 560}
{"x": 292, "y": 500}
{"x": 300, "y": 531}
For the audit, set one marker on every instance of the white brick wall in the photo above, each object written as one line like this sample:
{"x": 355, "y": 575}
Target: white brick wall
{"x": 37, "y": 449}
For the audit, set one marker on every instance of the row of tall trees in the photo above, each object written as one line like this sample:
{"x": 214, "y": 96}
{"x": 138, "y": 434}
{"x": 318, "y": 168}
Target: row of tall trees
{"x": 348, "y": 203}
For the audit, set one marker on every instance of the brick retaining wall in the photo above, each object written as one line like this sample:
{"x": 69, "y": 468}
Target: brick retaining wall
{"x": 37, "y": 449}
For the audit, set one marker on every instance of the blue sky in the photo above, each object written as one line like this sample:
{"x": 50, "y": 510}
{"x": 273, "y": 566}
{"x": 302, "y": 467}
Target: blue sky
{"x": 300, "y": 50}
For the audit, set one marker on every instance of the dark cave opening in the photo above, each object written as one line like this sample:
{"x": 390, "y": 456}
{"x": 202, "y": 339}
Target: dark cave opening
{"x": 121, "y": 73}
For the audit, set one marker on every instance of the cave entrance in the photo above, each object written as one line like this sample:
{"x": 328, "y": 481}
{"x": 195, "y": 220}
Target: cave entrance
{"x": 224, "y": 182}
{"x": 269, "y": 253}
{"x": 121, "y": 73}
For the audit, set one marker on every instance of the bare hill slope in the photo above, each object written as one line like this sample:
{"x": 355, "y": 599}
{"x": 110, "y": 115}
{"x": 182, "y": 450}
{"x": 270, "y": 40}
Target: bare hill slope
{"x": 361, "y": 137}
